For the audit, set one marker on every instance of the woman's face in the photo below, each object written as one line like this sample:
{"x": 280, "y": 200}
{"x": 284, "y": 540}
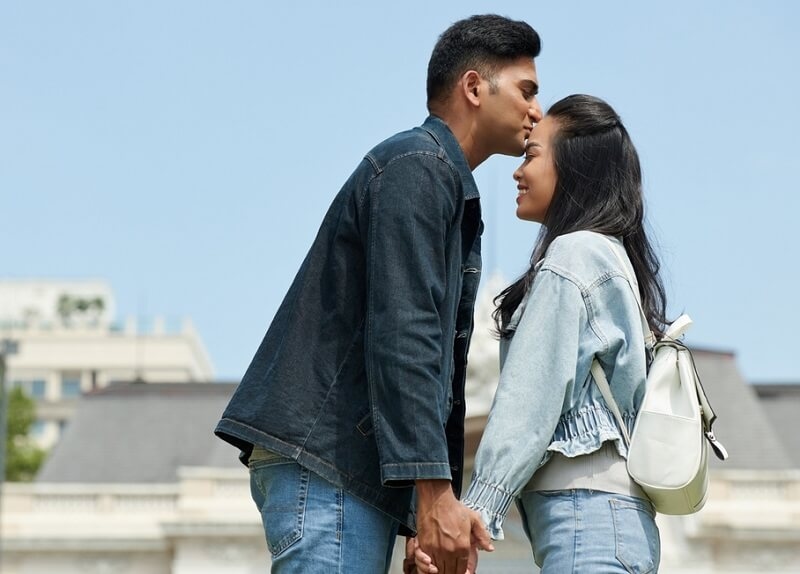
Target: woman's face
{"x": 536, "y": 177}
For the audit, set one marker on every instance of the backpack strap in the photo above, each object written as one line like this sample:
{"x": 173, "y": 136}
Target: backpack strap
{"x": 602, "y": 384}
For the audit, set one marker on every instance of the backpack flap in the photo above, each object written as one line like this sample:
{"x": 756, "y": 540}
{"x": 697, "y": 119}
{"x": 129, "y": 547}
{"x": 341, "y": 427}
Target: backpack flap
{"x": 678, "y": 327}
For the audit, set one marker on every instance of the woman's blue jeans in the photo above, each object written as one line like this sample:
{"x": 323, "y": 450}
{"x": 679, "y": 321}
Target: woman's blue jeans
{"x": 313, "y": 527}
{"x": 587, "y": 532}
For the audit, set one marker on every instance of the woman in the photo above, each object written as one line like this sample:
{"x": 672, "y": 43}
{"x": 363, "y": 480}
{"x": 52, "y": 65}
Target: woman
{"x": 551, "y": 443}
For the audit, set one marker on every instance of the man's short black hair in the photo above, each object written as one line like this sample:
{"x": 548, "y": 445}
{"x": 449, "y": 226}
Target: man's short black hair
{"x": 483, "y": 43}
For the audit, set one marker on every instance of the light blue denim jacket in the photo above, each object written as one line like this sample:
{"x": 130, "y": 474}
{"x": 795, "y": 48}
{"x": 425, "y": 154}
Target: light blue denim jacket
{"x": 580, "y": 306}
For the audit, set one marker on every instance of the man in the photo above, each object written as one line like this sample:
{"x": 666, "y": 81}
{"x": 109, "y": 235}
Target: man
{"x": 353, "y": 406}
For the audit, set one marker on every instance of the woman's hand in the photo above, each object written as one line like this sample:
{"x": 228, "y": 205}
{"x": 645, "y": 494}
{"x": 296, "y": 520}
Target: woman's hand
{"x": 409, "y": 566}
{"x": 423, "y": 562}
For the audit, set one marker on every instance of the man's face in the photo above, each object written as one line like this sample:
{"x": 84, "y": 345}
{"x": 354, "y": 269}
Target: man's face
{"x": 510, "y": 108}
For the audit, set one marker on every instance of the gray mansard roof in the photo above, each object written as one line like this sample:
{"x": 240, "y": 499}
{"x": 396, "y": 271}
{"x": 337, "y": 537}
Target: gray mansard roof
{"x": 781, "y": 403}
{"x": 743, "y": 425}
{"x": 141, "y": 433}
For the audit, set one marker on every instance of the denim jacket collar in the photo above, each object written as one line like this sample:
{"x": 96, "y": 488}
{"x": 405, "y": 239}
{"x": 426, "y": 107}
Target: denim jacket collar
{"x": 440, "y": 131}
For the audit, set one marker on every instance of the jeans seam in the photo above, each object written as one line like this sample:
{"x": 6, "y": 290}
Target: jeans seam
{"x": 259, "y": 464}
{"x": 340, "y": 498}
{"x": 576, "y": 539}
{"x": 301, "y": 503}
{"x": 259, "y": 485}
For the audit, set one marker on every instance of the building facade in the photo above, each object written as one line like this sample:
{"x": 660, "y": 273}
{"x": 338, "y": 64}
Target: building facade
{"x": 139, "y": 485}
{"x": 68, "y": 344}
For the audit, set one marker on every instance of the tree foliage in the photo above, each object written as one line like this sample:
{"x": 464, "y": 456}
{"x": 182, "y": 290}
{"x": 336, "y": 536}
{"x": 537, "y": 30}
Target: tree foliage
{"x": 68, "y": 306}
{"x": 23, "y": 457}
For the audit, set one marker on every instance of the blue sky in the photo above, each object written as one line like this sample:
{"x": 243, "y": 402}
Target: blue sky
{"x": 187, "y": 151}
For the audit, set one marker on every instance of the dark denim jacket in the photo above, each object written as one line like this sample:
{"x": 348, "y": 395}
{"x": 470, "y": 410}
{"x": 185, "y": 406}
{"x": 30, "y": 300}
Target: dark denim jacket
{"x": 360, "y": 377}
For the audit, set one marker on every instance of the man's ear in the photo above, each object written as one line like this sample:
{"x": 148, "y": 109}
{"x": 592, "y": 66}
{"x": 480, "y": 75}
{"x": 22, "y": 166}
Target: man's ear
{"x": 471, "y": 85}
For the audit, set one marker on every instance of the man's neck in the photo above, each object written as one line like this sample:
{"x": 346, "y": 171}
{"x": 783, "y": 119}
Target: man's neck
{"x": 465, "y": 132}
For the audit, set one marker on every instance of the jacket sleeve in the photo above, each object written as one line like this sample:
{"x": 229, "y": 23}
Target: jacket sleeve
{"x": 538, "y": 373}
{"x": 412, "y": 208}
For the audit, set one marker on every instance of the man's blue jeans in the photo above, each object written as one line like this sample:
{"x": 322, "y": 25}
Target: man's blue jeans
{"x": 314, "y": 527}
{"x": 587, "y": 531}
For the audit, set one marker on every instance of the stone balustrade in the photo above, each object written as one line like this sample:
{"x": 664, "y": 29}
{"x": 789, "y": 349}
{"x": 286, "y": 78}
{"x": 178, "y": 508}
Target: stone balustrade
{"x": 751, "y": 520}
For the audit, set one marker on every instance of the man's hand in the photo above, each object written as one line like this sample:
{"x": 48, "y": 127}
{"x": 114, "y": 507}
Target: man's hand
{"x": 424, "y": 564}
{"x": 446, "y": 528}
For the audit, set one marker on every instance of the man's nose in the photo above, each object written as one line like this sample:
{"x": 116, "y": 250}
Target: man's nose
{"x": 535, "y": 111}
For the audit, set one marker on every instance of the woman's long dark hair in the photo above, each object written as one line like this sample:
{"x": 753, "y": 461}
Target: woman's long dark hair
{"x": 598, "y": 188}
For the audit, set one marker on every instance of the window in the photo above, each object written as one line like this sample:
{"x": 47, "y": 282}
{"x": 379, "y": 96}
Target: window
{"x": 70, "y": 385}
{"x": 38, "y": 388}
{"x": 34, "y": 388}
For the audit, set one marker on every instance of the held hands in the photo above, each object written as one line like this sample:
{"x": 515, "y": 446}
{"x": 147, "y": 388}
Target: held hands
{"x": 449, "y": 534}
{"x": 417, "y": 562}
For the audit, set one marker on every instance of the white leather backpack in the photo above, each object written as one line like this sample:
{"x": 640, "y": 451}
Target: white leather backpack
{"x": 668, "y": 448}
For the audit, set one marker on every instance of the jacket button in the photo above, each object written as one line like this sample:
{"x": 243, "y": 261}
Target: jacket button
{"x": 454, "y": 468}
{"x": 457, "y": 402}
